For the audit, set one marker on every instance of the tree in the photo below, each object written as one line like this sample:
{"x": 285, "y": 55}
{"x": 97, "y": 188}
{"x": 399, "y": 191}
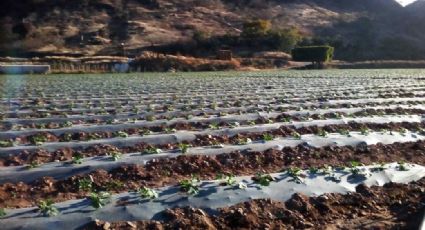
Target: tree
{"x": 315, "y": 54}
{"x": 256, "y": 28}
{"x": 284, "y": 39}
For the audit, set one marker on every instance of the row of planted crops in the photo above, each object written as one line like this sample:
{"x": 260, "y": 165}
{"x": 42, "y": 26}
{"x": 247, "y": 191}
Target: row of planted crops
{"x": 342, "y": 149}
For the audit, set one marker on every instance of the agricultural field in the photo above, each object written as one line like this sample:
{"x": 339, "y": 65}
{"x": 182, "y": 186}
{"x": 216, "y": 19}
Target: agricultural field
{"x": 262, "y": 150}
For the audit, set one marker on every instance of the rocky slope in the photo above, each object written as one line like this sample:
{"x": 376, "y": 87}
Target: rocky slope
{"x": 361, "y": 29}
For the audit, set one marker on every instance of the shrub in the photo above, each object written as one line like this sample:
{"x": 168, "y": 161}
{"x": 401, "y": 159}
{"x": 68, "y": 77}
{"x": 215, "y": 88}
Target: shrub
{"x": 315, "y": 54}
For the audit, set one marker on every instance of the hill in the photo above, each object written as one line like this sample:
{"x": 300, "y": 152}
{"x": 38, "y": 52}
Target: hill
{"x": 360, "y": 29}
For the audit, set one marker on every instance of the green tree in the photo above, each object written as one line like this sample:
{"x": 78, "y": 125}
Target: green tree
{"x": 256, "y": 28}
{"x": 284, "y": 39}
{"x": 315, "y": 54}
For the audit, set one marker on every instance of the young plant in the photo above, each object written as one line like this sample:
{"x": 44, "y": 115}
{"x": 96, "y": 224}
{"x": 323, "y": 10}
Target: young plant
{"x": 121, "y": 134}
{"x": 169, "y": 130}
{"x": 183, "y": 147}
{"x": 267, "y": 137}
{"x": 263, "y": 179}
{"x": 364, "y": 131}
{"x": 147, "y": 193}
{"x": 244, "y": 141}
{"x": 37, "y": 139}
{"x": 344, "y": 132}
{"x": 100, "y": 199}
{"x": 77, "y": 159}
{"x": 323, "y": 133}
{"x": 228, "y": 180}
{"x": 402, "y": 166}
{"x": 5, "y": 144}
{"x": 379, "y": 168}
{"x": 46, "y": 208}
{"x": 190, "y": 186}
{"x": 296, "y": 135}
{"x": 152, "y": 150}
{"x": 213, "y": 126}
{"x": 85, "y": 184}
{"x": 296, "y": 175}
{"x": 33, "y": 165}
{"x": 115, "y": 155}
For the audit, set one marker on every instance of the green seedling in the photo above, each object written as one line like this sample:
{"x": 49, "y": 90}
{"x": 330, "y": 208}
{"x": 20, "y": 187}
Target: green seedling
{"x": 33, "y": 165}
{"x": 213, "y": 126}
{"x": 267, "y": 137}
{"x": 115, "y": 155}
{"x": 100, "y": 199}
{"x": 37, "y": 139}
{"x": 296, "y": 174}
{"x": 313, "y": 170}
{"x": 244, "y": 141}
{"x": 229, "y": 180}
{"x": 364, "y": 131}
{"x": 242, "y": 185}
{"x": 121, "y": 134}
{"x": 170, "y": 130}
{"x": 402, "y": 166}
{"x": 296, "y": 135}
{"x": 190, "y": 186}
{"x": 251, "y": 123}
{"x": 46, "y": 208}
{"x": 183, "y": 147}
{"x": 2, "y": 212}
{"x": 344, "y": 132}
{"x": 323, "y": 133}
{"x": 77, "y": 159}
{"x": 263, "y": 179}
{"x": 152, "y": 150}
{"x": 85, "y": 184}
{"x": 147, "y": 193}
{"x": 379, "y": 168}
{"x": 402, "y": 131}
{"x": 6, "y": 144}
{"x": 150, "y": 118}
{"x": 67, "y": 124}
{"x": 145, "y": 131}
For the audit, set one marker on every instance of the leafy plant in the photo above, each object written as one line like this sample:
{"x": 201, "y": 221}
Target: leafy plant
{"x": 115, "y": 155}
{"x": 313, "y": 170}
{"x": 37, "y": 139}
{"x": 402, "y": 166}
{"x": 169, "y": 130}
{"x": 121, "y": 134}
{"x": 46, "y": 208}
{"x": 244, "y": 141}
{"x": 114, "y": 185}
{"x": 296, "y": 135}
{"x": 183, "y": 147}
{"x": 190, "y": 186}
{"x": 147, "y": 193}
{"x": 213, "y": 126}
{"x": 364, "y": 131}
{"x": 263, "y": 179}
{"x": 100, "y": 199}
{"x": 228, "y": 180}
{"x": 152, "y": 150}
{"x": 33, "y": 164}
{"x": 380, "y": 167}
{"x": 323, "y": 133}
{"x": 77, "y": 159}
{"x": 85, "y": 184}
{"x": 5, "y": 144}
{"x": 296, "y": 174}
{"x": 2, "y": 212}
{"x": 344, "y": 132}
{"x": 267, "y": 137}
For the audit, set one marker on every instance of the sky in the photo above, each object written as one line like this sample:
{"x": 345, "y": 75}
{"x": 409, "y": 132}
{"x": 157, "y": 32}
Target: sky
{"x": 405, "y": 2}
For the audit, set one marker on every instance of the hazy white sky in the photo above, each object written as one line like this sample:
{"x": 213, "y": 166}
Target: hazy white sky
{"x": 405, "y": 2}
